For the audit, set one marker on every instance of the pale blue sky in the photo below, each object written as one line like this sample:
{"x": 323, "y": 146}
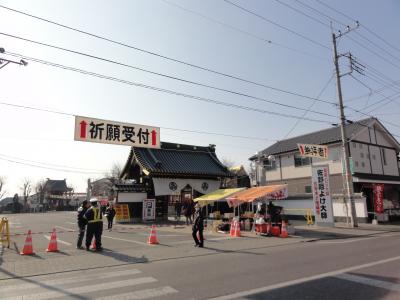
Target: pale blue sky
{"x": 170, "y": 31}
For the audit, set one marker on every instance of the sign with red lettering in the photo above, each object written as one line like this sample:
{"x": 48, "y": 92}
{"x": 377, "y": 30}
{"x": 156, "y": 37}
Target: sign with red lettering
{"x": 110, "y": 132}
{"x": 322, "y": 197}
{"x": 310, "y": 150}
{"x": 378, "y": 197}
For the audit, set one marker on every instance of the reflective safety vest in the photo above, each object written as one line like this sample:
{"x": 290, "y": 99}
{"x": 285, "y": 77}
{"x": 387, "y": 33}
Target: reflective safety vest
{"x": 96, "y": 215}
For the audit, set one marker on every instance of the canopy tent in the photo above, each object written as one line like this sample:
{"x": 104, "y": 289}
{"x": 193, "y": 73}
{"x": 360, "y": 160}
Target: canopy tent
{"x": 275, "y": 192}
{"x": 217, "y": 195}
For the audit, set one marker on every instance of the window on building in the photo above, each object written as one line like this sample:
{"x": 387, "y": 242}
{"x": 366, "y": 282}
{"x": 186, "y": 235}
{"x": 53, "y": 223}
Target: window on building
{"x": 384, "y": 156}
{"x": 356, "y": 163}
{"x": 362, "y": 155}
{"x": 363, "y": 164}
{"x": 301, "y": 161}
{"x": 269, "y": 164}
{"x": 373, "y": 156}
{"x": 354, "y": 145}
{"x": 307, "y": 189}
{"x": 360, "y": 145}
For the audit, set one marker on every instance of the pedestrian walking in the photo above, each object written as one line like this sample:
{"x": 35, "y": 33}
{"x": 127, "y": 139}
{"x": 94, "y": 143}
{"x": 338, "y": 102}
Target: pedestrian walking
{"x": 178, "y": 210}
{"x": 188, "y": 211}
{"x": 198, "y": 226}
{"x": 110, "y": 214}
{"x": 94, "y": 218}
{"x": 82, "y": 223}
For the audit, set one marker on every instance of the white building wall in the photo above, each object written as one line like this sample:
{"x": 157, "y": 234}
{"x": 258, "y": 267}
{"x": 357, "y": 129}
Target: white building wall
{"x": 382, "y": 139}
{"x": 298, "y": 207}
{"x": 376, "y": 161}
{"x": 289, "y": 171}
{"x": 391, "y": 163}
{"x": 372, "y": 135}
{"x": 360, "y": 154}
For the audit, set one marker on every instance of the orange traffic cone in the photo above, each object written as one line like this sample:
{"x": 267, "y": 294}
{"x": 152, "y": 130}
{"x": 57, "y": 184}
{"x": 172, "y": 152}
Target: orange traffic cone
{"x": 153, "y": 236}
{"x": 28, "y": 248}
{"x": 93, "y": 244}
{"x": 232, "y": 228}
{"x": 53, "y": 242}
{"x": 236, "y": 232}
{"x": 284, "y": 233}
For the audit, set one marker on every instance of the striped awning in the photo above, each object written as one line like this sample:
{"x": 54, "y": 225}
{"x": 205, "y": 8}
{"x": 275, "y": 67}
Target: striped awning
{"x": 217, "y": 195}
{"x": 274, "y": 192}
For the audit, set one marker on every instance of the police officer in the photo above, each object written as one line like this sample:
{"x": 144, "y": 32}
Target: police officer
{"x": 95, "y": 225}
{"x": 82, "y": 223}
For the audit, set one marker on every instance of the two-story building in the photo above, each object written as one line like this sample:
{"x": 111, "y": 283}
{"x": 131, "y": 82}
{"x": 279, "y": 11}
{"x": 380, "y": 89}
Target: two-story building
{"x": 374, "y": 154}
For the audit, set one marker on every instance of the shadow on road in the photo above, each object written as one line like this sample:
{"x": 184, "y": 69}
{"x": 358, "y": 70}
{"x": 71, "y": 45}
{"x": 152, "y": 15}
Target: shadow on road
{"x": 123, "y": 257}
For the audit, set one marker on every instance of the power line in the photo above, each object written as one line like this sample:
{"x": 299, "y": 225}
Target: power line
{"x": 366, "y": 28}
{"x": 164, "y": 75}
{"x": 97, "y": 171}
{"x": 48, "y": 168}
{"x": 237, "y": 29}
{"x": 189, "y": 96}
{"x": 312, "y": 104}
{"x": 352, "y": 39}
{"x": 276, "y": 24}
{"x": 159, "y": 55}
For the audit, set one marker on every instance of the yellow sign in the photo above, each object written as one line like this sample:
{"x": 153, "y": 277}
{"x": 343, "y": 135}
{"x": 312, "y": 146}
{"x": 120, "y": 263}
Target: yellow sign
{"x": 4, "y": 232}
{"x": 122, "y": 213}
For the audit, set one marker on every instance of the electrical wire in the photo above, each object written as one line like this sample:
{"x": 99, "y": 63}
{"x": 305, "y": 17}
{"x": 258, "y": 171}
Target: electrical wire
{"x": 237, "y": 29}
{"x": 352, "y": 19}
{"x": 276, "y": 24}
{"x": 189, "y": 96}
{"x": 312, "y": 104}
{"x": 159, "y": 55}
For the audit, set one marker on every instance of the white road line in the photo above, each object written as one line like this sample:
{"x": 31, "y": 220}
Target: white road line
{"x": 357, "y": 239}
{"x": 371, "y": 282}
{"x": 142, "y": 294}
{"x": 83, "y": 289}
{"x": 304, "y": 279}
{"x": 66, "y": 280}
{"x": 64, "y": 228}
{"x": 58, "y": 240}
{"x": 207, "y": 239}
{"x": 118, "y": 239}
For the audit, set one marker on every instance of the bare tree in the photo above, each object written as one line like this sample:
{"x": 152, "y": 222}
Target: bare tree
{"x": 39, "y": 190}
{"x": 2, "y": 183}
{"x": 26, "y": 191}
{"x": 227, "y": 162}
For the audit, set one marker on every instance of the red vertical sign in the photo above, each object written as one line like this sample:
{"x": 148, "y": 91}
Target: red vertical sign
{"x": 378, "y": 197}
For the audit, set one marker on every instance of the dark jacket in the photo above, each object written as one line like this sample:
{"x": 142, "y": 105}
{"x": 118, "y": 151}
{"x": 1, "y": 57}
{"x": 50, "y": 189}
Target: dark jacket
{"x": 110, "y": 213}
{"x": 198, "y": 223}
{"x": 81, "y": 220}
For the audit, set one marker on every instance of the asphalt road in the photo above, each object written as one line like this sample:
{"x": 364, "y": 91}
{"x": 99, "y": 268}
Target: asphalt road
{"x": 241, "y": 268}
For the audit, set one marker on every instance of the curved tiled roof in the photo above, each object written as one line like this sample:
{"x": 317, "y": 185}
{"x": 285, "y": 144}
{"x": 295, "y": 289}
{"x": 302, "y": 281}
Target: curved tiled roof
{"x": 178, "y": 159}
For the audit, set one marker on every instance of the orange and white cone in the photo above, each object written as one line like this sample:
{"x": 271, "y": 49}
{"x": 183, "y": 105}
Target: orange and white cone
{"x": 232, "y": 228}
{"x": 153, "y": 236}
{"x": 237, "y": 232}
{"x": 53, "y": 242}
{"x": 93, "y": 244}
{"x": 284, "y": 233}
{"x": 28, "y": 247}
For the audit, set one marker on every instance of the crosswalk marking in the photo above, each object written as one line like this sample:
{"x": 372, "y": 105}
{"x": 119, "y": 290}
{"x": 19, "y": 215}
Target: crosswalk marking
{"x": 83, "y": 289}
{"x": 58, "y": 241}
{"x": 391, "y": 286}
{"x": 66, "y": 280}
{"x": 142, "y": 294}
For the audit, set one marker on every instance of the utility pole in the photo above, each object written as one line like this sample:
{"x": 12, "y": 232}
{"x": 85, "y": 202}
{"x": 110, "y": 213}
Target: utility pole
{"x": 348, "y": 179}
{"x": 4, "y": 62}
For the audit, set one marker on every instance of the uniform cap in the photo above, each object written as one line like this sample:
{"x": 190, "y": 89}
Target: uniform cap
{"x": 93, "y": 200}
